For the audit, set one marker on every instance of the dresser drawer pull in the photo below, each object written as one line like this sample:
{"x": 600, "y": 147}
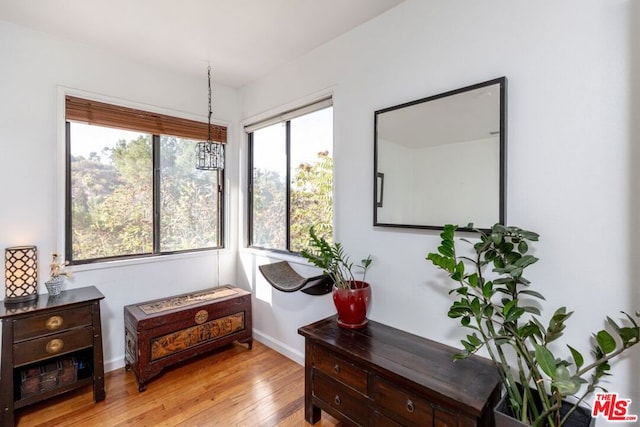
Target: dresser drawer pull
{"x": 410, "y": 406}
{"x": 54, "y": 346}
{"x": 336, "y": 368}
{"x": 337, "y": 400}
{"x": 54, "y": 322}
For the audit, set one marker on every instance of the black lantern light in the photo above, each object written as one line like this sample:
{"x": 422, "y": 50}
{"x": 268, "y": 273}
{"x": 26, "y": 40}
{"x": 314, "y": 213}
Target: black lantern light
{"x": 209, "y": 154}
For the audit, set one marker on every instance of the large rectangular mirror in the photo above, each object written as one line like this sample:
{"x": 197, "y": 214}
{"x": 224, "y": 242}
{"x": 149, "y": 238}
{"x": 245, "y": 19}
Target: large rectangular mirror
{"x": 442, "y": 159}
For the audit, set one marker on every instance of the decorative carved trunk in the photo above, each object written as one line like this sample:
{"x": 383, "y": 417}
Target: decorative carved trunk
{"x": 167, "y": 331}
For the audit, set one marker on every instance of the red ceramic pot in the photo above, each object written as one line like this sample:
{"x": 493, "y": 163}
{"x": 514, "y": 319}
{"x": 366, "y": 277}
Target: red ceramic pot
{"x": 352, "y": 304}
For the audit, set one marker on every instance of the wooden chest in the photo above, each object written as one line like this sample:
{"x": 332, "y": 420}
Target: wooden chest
{"x": 381, "y": 376}
{"x": 167, "y": 331}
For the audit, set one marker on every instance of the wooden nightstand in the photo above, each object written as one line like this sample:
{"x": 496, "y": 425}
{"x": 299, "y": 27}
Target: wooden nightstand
{"x": 50, "y": 346}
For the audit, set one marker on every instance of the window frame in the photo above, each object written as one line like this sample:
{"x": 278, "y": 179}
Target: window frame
{"x": 156, "y": 185}
{"x": 284, "y": 118}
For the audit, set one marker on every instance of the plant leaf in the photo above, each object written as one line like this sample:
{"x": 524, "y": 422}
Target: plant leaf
{"x": 496, "y": 237}
{"x": 487, "y": 289}
{"x": 577, "y": 357}
{"x": 523, "y": 247}
{"x": 606, "y": 342}
{"x": 473, "y": 339}
{"x": 530, "y": 329}
{"x": 473, "y": 280}
{"x": 525, "y": 261}
{"x": 546, "y": 360}
{"x": 476, "y": 307}
{"x": 565, "y": 383}
{"x": 532, "y": 293}
{"x": 446, "y": 249}
{"x": 629, "y": 335}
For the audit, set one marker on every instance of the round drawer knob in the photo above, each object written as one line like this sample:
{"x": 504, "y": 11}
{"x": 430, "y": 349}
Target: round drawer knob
{"x": 54, "y": 346}
{"x": 336, "y": 368}
{"x": 54, "y": 323}
{"x": 337, "y": 400}
{"x": 410, "y": 406}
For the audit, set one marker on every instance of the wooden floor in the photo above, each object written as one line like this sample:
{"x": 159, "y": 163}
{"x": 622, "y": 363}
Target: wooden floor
{"x": 232, "y": 387}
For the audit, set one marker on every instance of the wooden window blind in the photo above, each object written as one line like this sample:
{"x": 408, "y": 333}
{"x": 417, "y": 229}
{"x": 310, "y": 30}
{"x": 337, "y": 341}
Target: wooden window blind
{"x": 292, "y": 114}
{"x": 100, "y": 113}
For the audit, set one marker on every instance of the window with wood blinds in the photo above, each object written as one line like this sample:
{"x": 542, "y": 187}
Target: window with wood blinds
{"x": 132, "y": 187}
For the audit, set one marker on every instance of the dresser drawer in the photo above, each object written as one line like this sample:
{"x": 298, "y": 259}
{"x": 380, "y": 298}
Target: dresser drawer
{"x": 342, "y": 399}
{"x": 444, "y": 418}
{"x": 340, "y": 369}
{"x": 37, "y": 326}
{"x": 414, "y": 409}
{"x": 42, "y": 348}
{"x": 380, "y": 420}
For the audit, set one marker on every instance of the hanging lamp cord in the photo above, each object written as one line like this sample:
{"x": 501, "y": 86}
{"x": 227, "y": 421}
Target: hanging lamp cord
{"x": 210, "y": 112}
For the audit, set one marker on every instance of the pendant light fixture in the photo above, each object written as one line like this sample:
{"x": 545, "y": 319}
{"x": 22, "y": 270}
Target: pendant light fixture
{"x": 209, "y": 154}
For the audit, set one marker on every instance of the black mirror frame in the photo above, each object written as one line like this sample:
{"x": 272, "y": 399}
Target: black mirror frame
{"x": 502, "y": 81}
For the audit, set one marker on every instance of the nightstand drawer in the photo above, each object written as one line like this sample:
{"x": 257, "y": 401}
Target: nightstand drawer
{"x": 339, "y": 369}
{"x": 37, "y": 326}
{"x": 53, "y": 345}
{"x": 402, "y": 403}
{"x": 342, "y": 399}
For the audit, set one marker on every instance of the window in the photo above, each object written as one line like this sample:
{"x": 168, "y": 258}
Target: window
{"x": 116, "y": 205}
{"x": 291, "y": 178}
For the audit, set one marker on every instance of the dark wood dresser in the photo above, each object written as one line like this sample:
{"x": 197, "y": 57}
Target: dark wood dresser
{"x": 50, "y": 346}
{"x": 167, "y": 331}
{"x": 381, "y": 376}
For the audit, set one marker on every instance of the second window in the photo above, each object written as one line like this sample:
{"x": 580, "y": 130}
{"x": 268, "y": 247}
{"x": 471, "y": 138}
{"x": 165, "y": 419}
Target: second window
{"x": 291, "y": 178}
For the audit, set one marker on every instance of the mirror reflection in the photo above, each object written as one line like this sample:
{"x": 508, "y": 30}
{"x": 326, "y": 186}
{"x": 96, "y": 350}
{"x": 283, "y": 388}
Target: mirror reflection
{"x": 441, "y": 160}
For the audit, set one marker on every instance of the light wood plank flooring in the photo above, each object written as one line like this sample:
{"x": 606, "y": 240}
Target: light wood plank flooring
{"x": 232, "y": 387}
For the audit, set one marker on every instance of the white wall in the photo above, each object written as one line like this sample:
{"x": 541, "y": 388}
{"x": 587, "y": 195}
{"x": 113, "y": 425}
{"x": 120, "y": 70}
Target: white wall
{"x": 395, "y": 161}
{"x": 420, "y": 183}
{"x": 34, "y": 68}
{"x": 571, "y": 157}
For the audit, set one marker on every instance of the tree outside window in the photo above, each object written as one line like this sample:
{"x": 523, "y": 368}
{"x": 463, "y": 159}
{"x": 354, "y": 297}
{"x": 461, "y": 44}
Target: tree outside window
{"x": 292, "y": 181}
{"x": 117, "y": 209}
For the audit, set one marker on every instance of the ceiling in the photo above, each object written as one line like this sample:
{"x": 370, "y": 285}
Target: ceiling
{"x": 241, "y": 39}
{"x": 450, "y": 118}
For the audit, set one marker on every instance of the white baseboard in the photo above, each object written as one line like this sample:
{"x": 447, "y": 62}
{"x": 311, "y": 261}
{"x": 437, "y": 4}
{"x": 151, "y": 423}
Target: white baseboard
{"x": 112, "y": 365}
{"x": 280, "y": 347}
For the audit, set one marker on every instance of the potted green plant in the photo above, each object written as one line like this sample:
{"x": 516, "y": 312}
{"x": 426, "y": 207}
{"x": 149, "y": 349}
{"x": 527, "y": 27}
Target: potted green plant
{"x": 496, "y": 301}
{"x": 350, "y": 296}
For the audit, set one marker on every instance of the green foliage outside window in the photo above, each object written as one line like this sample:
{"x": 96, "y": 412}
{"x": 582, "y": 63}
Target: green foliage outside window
{"x": 188, "y": 197}
{"x": 311, "y": 204}
{"x": 112, "y": 200}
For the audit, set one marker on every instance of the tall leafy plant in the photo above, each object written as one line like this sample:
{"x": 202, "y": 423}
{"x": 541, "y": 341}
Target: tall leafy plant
{"x": 334, "y": 261}
{"x": 498, "y": 304}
